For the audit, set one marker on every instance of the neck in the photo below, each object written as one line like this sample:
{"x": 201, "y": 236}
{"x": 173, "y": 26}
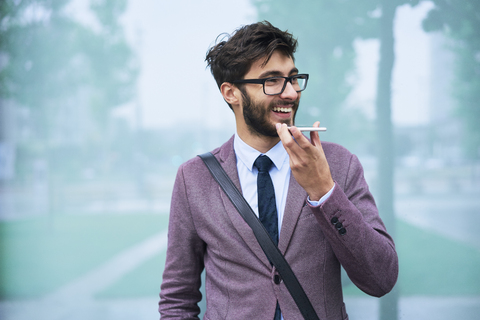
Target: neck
{"x": 258, "y": 142}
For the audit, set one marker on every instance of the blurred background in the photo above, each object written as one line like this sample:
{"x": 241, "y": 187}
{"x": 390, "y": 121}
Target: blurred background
{"x": 102, "y": 100}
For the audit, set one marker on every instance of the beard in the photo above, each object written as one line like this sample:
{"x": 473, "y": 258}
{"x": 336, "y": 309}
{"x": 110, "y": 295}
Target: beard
{"x": 256, "y": 117}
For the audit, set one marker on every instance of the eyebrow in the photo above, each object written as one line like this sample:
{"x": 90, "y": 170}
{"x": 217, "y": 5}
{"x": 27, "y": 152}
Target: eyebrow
{"x": 275, "y": 73}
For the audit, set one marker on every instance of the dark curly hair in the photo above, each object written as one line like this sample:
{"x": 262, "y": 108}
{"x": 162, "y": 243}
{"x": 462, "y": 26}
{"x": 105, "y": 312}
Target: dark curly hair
{"x": 231, "y": 59}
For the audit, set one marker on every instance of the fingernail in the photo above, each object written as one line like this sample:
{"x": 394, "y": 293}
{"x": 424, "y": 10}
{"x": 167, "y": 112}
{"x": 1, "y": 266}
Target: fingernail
{"x": 278, "y": 126}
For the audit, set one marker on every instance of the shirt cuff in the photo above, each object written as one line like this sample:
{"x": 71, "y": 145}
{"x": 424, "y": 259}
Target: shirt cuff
{"x": 322, "y": 199}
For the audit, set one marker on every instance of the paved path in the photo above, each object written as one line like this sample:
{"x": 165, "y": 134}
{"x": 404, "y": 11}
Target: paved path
{"x": 418, "y": 308}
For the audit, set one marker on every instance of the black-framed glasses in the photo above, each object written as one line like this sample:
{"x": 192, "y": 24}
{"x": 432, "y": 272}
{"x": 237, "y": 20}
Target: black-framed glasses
{"x": 276, "y": 85}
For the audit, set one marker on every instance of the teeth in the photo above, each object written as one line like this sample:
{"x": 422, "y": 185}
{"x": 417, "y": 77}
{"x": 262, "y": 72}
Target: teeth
{"x": 280, "y": 109}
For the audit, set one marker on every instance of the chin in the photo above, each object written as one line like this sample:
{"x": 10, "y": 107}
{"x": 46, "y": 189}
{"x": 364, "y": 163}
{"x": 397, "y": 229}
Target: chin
{"x": 288, "y": 122}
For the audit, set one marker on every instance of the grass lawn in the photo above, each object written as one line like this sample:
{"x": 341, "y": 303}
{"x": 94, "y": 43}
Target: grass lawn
{"x": 141, "y": 282}
{"x": 39, "y": 255}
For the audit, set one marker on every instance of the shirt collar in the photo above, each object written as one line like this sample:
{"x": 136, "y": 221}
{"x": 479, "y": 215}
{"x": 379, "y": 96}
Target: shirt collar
{"x": 248, "y": 155}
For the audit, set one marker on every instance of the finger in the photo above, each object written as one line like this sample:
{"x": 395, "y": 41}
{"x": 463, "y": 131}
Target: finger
{"x": 283, "y": 133}
{"x": 301, "y": 140}
{"x": 288, "y": 141}
{"x": 314, "y": 137}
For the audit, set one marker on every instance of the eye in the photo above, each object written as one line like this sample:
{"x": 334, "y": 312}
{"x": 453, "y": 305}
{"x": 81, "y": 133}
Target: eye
{"x": 274, "y": 81}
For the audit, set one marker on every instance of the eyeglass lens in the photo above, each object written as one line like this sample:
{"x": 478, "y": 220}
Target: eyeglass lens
{"x": 276, "y": 85}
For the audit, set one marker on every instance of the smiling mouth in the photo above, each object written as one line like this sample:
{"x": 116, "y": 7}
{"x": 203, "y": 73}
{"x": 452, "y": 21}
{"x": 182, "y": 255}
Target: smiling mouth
{"x": 282, "y": 109}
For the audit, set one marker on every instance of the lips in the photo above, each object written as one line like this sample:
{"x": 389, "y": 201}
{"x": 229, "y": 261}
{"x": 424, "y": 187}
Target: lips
{"x": 282, "y": 109}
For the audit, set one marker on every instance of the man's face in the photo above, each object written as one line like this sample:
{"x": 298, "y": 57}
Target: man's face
{"x": 260, "y": 111}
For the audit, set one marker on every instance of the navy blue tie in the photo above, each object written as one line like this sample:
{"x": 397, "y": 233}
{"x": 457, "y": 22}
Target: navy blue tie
{"x": 267, "y": 209}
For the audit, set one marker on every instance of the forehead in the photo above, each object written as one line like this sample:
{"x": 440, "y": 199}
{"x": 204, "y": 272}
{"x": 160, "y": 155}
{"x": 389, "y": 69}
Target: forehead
{"x": 279, "y": 64}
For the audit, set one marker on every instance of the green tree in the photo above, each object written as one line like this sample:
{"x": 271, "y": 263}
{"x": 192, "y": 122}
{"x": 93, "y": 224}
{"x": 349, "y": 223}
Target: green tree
{"x": 64, "y": 72}
{"x": 460, "y": 21}
{"x": 48, "y": 57}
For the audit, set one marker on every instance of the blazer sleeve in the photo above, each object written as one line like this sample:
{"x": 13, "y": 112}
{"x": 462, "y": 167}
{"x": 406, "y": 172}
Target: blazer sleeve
{"x": 350, "y": 221}
{"x": 180, "y": 289}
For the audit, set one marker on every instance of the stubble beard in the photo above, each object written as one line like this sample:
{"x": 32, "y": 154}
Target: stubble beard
{"x": 257, "y": 120}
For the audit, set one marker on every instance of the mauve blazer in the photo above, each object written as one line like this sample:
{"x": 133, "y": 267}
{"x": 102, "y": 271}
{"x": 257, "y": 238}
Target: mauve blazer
{"x": 206, "y": 231}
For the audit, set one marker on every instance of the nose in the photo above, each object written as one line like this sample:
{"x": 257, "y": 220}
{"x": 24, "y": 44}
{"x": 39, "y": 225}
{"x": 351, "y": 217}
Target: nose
{"x": 289, "y": 93}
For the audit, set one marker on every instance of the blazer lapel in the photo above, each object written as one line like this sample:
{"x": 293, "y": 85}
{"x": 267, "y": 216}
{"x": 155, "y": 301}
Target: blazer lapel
{"x": 296, "y": 199}
{"x": 228, "y": 161}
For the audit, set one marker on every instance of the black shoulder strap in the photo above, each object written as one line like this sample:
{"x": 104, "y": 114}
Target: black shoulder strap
{"x": 271, "y": 250}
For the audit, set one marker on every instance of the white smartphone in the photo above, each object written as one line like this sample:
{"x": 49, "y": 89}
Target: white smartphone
{"x": 312, "y": 128}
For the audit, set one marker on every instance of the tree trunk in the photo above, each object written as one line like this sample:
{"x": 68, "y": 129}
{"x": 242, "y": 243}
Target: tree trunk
{"x": 385, "y": 149}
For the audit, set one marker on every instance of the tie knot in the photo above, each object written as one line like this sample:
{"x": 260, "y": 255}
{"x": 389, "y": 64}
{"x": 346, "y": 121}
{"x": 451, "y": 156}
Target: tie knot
{"x": 263, "y": 163}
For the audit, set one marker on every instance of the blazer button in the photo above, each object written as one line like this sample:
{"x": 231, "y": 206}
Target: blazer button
{"x": 342, "y": 231}
{"x": 334, "y": 220}
{"x": 339, "y": 225}
{"x": 277, "y": 279}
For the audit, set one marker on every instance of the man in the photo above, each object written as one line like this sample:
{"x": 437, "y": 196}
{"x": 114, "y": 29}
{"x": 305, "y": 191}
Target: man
{"x": 324, "y": 212}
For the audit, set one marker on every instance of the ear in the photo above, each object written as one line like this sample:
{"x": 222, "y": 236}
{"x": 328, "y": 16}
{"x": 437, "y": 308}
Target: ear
{"x": 230, "y": 93}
